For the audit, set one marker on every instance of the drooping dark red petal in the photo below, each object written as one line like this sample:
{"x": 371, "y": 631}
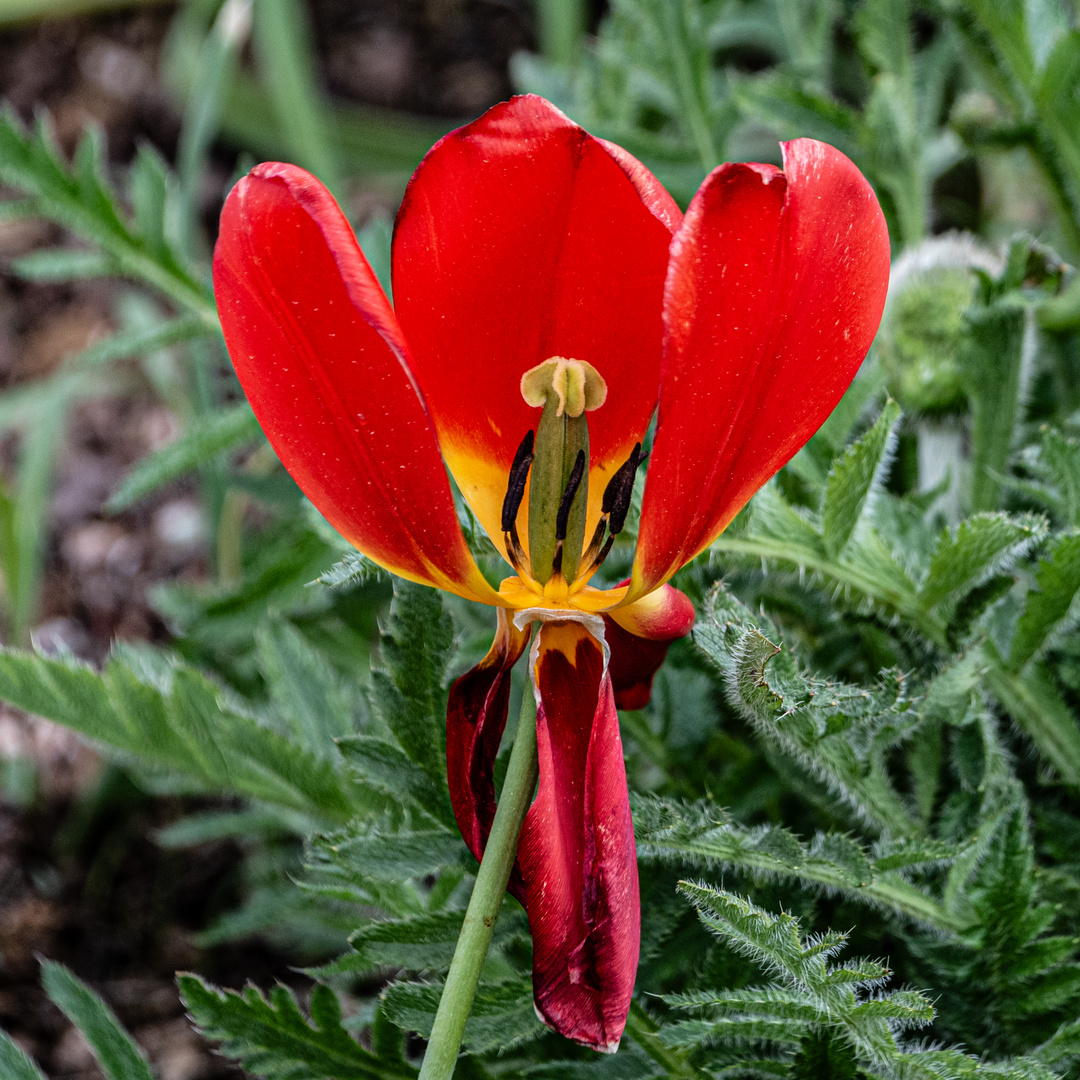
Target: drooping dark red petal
{"x": 774, "y": 292}
{"x": 475, "y": 719}
{"x": 324, "y": 364}
{"x": 577, "y": 851}
{"x": 522, "y": 237}
{"x": 638, "y": 636}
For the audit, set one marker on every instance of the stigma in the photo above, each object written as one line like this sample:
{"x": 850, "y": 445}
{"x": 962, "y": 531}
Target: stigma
{"x": 578, "y": 387}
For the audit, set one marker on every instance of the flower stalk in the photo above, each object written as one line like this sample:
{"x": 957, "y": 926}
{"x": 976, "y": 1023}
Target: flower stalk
{"x": 487, "y": 896}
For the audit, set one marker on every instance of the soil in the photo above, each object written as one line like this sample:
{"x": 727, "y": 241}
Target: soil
{"x": 81, "y": 879}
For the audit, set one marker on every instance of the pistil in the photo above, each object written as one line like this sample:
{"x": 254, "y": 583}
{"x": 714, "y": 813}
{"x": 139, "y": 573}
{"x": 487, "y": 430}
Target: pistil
{"x": 559, "y": 486}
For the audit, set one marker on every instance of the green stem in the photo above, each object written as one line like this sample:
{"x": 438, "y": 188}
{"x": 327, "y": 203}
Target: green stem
{"x": 487, "y": 896}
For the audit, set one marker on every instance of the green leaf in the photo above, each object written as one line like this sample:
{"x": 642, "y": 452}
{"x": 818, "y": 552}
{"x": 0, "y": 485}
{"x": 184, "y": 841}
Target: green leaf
{"x": 981, "y": 547}
{"x": 285, "y": 51}
{"x": 210, "y": 435}
{"x": 354, "y": 569}
{"x": 386, "y": 767}
{"x": 502, "y": 1014}
{"x": 423, "y": 942}
{"x": 274, "y": 1039}
{"x": 991, "y": 363}
{"x": 1048, "y": 608}
{"x": 360, "y": 853}
{"x": 841, "y": 733}
{"x": 1034, "y": 701}
{"x": 171, "y": 716}
{"x": 78, "y": 198}
{"x": 118, "y": 1056}
{"x": 305, "y": 690}
{"x": 14, "y": 1063}
{"x": 852, "y": 479}
{"x": 409, "y": 696}
{"x": 62, "y": 264}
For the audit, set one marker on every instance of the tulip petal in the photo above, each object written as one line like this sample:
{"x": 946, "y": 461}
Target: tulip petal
{"x": 325, "y": 367}
{"x": 522, "y": 237}
{"x": 475, "y": 719}
{"x": 577, "y": 849}
{"x": 774, "y": 293}
{"x": 638, "y": 637}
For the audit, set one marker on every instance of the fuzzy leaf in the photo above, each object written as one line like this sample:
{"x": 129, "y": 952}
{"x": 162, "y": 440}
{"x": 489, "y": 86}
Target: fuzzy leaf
{"x": 1047, "y": 609}
{"x": 172, "y": 717}
{"x": 14, "y": 1062}
{"x": 502, "y": 1014}
{"x": 981, "y": 547}
{"x": 304, "y": 689}
{"x": 79, "y": 198}
{"x": 852, "y": 479}
{"x": 118, "y": 1056}
{"x": 409, "y": 696}
{"x": 213, "y": 434}
{"x": 353, "y": 569}
{"x": 388, "y": 768}
{"x": 423, "y": 942}
{"x": 274, "y": 1039}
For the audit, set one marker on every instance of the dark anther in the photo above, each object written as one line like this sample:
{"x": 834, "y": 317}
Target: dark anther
{"x": 620, "y": 490}
{"x": 515, "y": 489}
{"x": 576, "y": 473}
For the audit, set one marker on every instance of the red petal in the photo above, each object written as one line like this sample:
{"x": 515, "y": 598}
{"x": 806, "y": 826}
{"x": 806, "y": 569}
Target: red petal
{"x": 323, "y": 362}
{"x": 638, "y": 636}
{"x": 774, "y": 293}
{"x": 577, "y": 848}
{"x": 475, "y": 719}
{"x": 522, "y": 237}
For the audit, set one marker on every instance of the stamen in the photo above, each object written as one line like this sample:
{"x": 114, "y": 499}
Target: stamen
{"x": 614, "y": 507}
{"x": 620, "y": 490}
{"x": 519, "y": 473}
{"x": 572, "y": 485}
{"x": 515, "y": 490}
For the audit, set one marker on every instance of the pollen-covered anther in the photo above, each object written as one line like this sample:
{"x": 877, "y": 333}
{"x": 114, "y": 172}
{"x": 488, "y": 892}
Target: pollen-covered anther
{"x": 577, "y": 384}
{"x": 613, "y": 510}
{"x": 515, "y": 490}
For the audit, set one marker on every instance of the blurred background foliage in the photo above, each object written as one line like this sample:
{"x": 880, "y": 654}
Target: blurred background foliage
{"x": 876, "y": 725}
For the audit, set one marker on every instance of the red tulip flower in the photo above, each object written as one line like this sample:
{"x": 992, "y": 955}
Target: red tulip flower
{"x": 548, "y": 297}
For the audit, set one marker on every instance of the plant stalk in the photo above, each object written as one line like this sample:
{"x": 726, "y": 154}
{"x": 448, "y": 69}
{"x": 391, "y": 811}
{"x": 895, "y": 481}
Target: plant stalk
{"x": 487, "y": 895}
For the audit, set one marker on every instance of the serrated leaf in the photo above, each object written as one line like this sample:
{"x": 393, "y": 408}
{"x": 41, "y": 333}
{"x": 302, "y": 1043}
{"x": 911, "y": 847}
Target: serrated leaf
{"x": 305, "y": 690}
{"x": 79, "y": 198}
{"x": 981, "y": 547}
{"x": 14, "y": 1062}
{"x": 362, "y": 855}
{"x": 502, "y": 1014}
{"x": 354, "y": 569}
{"x": 149, "y": 196}
{"x": 113, "y": 1048}
{"x": 409, "y": 696}
{"x": 991, "y": 361}
{"x": 274, "y": 1039}
{"x": 423, "y": 942}
{"x": 839, "y": 731}
{"x": 1048, "y": 608}
{"x": 388, "y": 768}
{"x": 696, "y": 1033}
{"x": 209, "y": 436}
{"x": 852, "y": 479}
{"x": 181, "y": 725}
